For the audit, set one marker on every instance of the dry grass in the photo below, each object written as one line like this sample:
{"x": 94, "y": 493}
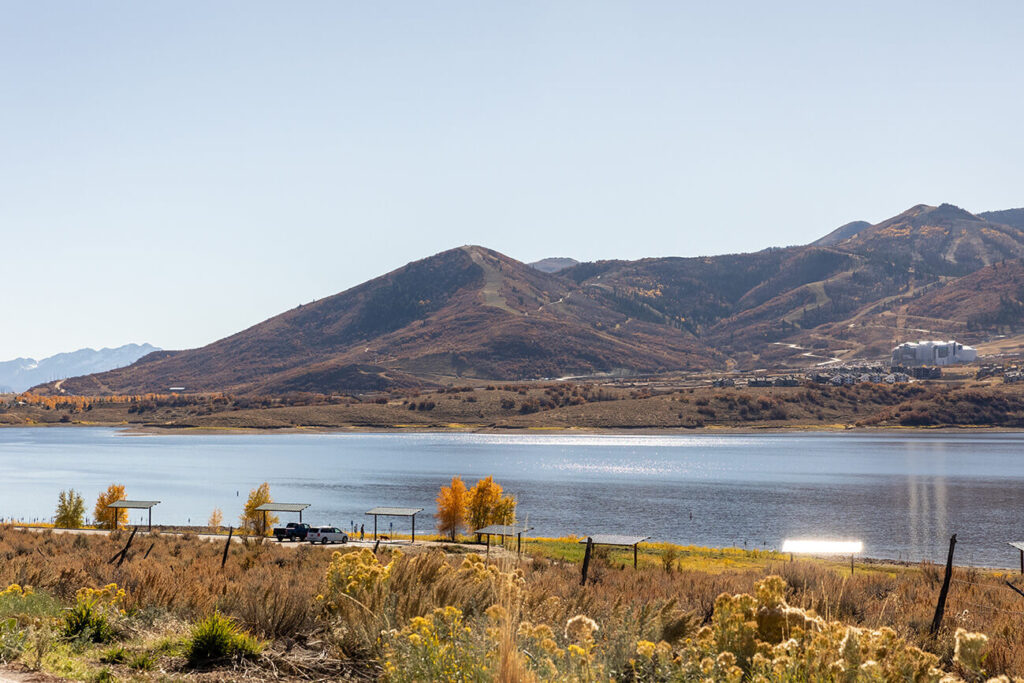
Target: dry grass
{"x": 273, "y": 593}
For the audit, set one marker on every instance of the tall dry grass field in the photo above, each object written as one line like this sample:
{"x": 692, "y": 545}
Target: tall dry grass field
{"x": 322, "y": 615}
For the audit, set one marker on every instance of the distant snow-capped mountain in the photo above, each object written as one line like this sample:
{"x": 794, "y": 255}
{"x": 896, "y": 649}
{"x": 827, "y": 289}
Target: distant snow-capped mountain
{"x": 21, "y": 373}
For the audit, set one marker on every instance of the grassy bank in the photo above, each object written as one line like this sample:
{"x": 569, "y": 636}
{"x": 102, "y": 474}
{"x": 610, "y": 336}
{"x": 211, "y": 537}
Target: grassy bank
{"x": 308, "y": 613}
{"x": 961, "y": 403}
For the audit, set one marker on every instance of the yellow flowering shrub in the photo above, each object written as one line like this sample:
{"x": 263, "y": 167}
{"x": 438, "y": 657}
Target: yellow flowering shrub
{"x": 438, "y": 647}
{"x": 760, "y": 638}
{"x": 16, "y": 591}
{"x": 354, "y": 573}
{"x": 109, "y": 599}
{"x": 96, "y": 614}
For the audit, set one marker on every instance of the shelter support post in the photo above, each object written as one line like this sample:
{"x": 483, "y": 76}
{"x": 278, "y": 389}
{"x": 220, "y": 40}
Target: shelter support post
{"x": 414, "y": 528}
{"x": 150, "y": 520}
{"x": 519, "y": 543}
{"x": 375, "y": 527}
{"x": 1022, "y": 561}
{"x": 634, "y": 554}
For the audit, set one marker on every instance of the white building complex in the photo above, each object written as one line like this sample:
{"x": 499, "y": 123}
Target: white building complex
{"x": 911, "y": 354}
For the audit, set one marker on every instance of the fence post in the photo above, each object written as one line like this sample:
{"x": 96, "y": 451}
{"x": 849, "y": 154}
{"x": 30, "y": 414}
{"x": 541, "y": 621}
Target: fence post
{"x": 227, "y": 545}
{"x": 123, "y": 550}
{"x": 941, "y": 607}
{"x": 586, "y": 560}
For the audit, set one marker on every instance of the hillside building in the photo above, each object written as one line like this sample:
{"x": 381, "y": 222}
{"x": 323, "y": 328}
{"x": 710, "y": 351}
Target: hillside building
{"x": 911, "y": 354}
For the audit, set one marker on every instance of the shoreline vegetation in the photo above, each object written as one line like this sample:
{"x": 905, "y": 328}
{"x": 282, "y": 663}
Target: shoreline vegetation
{"x": 445, "y": 610}
{"x": 562, "y": 407}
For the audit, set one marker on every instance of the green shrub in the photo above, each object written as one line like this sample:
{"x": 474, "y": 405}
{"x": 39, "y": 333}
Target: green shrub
{"x": 219, "y": 637}
{"x": 27, "y": 606}
{"x": 142, "y": 661}
{"x": 13, "y": 640}
{"x": 85, "y": 621}
{"x": 94, "y": 614}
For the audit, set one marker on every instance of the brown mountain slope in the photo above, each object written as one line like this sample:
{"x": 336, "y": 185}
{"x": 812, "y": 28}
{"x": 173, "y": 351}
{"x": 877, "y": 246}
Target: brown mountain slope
{"x": 990, "y": 297}
{"x": 467, "y": 312}
{"x": 938, "y": 240}
{"x": 846, "y": 296}
{"x": 1012, "y": 217}
{"x": 471, "y": 312}
{"x": 840, "y": 234}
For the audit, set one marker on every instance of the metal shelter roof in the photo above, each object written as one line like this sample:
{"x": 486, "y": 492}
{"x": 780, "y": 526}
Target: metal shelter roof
{"x": 283, "y": 507}
{"x": 134, "y": 504}
{"x": 394, "y": 512}
{"x": 504, "y": 529}
{"x": 613, "y": 539}
{"x": 1019, "y": 545}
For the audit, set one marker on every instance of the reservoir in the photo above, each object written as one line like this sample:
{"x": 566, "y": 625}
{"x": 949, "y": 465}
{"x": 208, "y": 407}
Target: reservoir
{"x": 901, "y": 493}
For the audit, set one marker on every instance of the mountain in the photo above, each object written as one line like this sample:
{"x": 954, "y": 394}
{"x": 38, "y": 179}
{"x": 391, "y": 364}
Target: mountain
{"x": 21, "y": 373}
{"x": 848, "y": 292}
{"x": 991, "y": 297}
{"x": 843, "y": 232}
{"x": 467, "y": 312}
{"x": 472, "y": 313}
{"x": 942, "y": 240}
{"x": 553, "y": 264}
{"x": 1013, "y": 217}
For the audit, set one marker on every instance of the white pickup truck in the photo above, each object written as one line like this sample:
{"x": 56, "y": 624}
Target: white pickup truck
{"x": 326, "y": 534}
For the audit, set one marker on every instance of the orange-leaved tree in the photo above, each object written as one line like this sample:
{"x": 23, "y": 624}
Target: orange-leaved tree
{"x": 253, "y": 520}
{"x": 110, "y": 518}
{"x": 486, "y": 505}
{"x": 451, "y": 508}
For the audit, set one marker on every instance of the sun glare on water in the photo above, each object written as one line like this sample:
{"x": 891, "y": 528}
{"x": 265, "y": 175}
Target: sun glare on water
{"x": 816, "y": 546}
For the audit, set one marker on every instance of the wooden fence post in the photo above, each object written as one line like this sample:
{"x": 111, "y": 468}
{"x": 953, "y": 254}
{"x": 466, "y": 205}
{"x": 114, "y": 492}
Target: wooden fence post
{"x": 123, "y": 550}
{"x": 227, "y": 544}
{"x": 586, "y": 560}
{"x": 941, "y": 606}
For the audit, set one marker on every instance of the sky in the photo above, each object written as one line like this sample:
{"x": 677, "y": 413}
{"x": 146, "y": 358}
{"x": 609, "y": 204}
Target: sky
{"x": 174, "y": 172}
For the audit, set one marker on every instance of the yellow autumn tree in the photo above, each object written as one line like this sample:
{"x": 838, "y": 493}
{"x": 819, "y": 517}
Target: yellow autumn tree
{"x": 216, "y": 519}
{"x": 110, "y": 518}
{"x": 252, "y": 520}
{"x": 485, "y": 505}
{"x": 504, "y": 511}
{"x": 451, "y": 508}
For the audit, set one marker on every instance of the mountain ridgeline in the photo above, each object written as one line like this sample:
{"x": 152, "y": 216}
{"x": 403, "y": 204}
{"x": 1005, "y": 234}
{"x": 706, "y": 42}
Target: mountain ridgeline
{"x": 21, "y": 373}
{"x": 472, "y": 313}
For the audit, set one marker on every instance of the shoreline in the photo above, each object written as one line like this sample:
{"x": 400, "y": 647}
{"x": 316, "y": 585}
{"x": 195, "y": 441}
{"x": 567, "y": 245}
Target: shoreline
{"x": 401, "y": 541}
{"x": 152, "y": 430}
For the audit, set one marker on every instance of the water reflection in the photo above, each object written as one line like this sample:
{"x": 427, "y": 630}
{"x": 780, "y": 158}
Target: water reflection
{"x": 903, "y": 494}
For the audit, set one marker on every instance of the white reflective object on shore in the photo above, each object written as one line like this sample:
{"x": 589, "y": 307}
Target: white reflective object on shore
{"x": 815, "y": 546}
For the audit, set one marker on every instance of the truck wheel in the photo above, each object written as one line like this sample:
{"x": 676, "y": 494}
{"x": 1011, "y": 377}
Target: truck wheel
{"x": 279, "y": 539}
{"x": 323, "y": 541}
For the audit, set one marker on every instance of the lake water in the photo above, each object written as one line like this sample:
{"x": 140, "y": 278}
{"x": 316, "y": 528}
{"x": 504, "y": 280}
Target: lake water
{"x": 903, "y": 494}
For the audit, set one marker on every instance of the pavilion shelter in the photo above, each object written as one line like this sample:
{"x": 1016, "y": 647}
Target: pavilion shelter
{"x": 136, "y": 505}
{"x": 1019, "y": 545}
{"x": 394, "y": 512}
{"x": 280, "y": 507}
{"x": 504, "y": 530}
{"x": 617, "y": 540}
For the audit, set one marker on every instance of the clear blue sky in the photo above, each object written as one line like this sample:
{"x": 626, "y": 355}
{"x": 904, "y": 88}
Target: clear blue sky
{"x": 173, "y": 172}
